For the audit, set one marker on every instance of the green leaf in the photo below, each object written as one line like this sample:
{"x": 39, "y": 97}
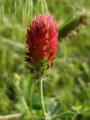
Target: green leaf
{"x": 64, "y": 114}
{"x": 73, "y": 24}
{"x": 54, "y": 107}
{"x": 36, "y": 102}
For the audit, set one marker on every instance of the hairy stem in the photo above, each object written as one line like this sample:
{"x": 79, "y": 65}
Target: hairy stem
{"x": 42, "y": 98}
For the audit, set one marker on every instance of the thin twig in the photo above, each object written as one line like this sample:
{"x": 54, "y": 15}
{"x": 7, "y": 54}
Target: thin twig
{"x": 7, "y": 117}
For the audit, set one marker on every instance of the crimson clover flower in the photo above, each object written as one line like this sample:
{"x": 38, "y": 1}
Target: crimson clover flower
{"x": 41, "y": 43}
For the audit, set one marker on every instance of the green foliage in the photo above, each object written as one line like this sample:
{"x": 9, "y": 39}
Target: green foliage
{"x": 69, "y": 80}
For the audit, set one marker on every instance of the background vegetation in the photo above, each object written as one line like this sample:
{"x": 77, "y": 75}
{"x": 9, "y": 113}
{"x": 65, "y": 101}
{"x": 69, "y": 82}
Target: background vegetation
{"x": 69, "y": 79}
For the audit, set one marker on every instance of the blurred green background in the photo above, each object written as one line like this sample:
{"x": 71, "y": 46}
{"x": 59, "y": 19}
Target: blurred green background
{"x": 69, "y": 79}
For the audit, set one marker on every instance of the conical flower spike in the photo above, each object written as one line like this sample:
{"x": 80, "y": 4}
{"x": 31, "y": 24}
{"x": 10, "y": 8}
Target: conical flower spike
{"x": 42, "y": 43}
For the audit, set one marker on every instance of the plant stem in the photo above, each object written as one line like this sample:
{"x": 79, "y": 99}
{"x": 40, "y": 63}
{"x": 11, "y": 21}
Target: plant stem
{"x": 42, "y": 98}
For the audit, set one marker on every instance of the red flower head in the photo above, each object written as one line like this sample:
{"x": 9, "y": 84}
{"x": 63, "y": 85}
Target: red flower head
{"x": 42, "y": 40}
